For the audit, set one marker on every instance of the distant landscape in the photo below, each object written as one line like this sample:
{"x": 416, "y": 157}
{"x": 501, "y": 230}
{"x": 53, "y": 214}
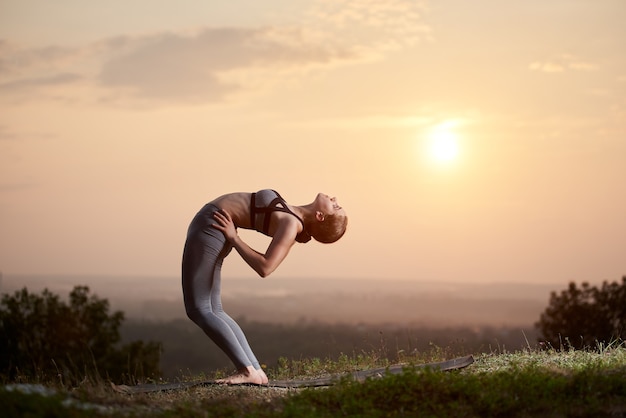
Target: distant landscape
{"x": 298, "y": 319}
{"x": 280, "y": 300}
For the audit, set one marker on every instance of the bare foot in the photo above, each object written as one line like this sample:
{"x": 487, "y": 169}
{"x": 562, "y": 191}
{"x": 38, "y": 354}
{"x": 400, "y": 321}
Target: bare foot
{"x": 247, "y": 375}
{"x": 264, "y": 378}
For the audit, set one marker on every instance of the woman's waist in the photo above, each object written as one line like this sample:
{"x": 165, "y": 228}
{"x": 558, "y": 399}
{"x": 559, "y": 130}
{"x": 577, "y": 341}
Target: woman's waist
{"x": 239, "y": 216}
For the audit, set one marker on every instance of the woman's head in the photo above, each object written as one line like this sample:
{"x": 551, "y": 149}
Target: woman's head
{"x": 330, "y": 220}
{"x": 330, "y": 229}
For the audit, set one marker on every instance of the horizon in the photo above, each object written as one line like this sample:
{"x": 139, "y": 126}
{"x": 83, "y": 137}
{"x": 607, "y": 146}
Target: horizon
{"x": 436, "y": 304}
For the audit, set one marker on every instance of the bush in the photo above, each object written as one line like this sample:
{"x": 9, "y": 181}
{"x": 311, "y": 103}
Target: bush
{"x": 584, "y": 316}
{"x": 42, "y": 337}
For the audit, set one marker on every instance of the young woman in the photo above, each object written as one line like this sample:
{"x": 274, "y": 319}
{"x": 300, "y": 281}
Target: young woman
{"x": 212, "y": 235}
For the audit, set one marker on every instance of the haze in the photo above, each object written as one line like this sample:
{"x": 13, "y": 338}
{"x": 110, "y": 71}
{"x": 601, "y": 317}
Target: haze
{"x": 479, "y": 141}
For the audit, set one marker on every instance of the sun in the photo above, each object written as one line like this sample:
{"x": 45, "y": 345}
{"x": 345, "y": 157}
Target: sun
{"x": 443, "y": 143}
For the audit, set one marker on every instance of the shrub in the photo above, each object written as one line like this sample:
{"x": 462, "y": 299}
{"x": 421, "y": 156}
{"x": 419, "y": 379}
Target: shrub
{"x": 42, "y": 337}
{"x": 584, "y": 316}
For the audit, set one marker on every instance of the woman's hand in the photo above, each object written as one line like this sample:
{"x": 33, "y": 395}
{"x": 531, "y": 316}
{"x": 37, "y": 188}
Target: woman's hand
{"x": 225, "y": 224}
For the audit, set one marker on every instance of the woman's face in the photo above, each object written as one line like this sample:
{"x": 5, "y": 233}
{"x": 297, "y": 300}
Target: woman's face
{"x": 327, "y": 205}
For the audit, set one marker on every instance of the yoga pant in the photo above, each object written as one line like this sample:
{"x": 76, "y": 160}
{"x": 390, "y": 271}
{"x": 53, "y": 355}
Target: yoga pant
{"x": 204, "y": 253}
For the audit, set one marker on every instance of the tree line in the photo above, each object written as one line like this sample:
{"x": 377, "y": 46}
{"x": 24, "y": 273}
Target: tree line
{"x": 43, "y": 337}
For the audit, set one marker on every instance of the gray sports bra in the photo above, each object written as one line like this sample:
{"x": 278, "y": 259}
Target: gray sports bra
{"x": 262, "y": 204}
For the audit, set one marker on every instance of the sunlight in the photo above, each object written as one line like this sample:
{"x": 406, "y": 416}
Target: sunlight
{"x": 443, "y": 143}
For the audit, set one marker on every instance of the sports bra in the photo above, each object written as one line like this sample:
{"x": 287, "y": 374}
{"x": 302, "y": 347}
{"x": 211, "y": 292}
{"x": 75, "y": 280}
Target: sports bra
{"x": 262, "y": 204}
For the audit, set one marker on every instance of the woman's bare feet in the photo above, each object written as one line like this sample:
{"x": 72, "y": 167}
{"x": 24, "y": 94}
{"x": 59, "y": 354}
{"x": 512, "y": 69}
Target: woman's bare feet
{"x": 263, "y": 376}
{"x": 248, "y": 375}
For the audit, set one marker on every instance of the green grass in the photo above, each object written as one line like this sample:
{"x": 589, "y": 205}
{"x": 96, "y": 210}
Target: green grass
{"x": 521, "y": 384}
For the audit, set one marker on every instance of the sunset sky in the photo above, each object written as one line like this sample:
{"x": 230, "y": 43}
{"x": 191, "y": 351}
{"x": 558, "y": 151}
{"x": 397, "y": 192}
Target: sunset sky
{"x": 468, "y": 141}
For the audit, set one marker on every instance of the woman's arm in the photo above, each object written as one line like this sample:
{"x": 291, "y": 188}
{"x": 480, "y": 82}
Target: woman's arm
{"x": 263, "y": 264}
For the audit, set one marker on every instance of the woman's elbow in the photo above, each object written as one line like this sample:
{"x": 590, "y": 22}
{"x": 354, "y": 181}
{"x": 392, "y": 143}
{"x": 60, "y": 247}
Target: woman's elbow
{"x": 265, "y": 271}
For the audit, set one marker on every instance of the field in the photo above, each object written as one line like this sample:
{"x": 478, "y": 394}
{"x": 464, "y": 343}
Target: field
{"x": 525, "y": 383}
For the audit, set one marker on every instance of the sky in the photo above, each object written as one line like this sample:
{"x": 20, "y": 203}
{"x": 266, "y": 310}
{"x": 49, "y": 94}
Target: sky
{"x": 479, "y": 141}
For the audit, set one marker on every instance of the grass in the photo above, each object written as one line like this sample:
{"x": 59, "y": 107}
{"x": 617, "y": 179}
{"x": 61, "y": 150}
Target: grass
{"x": 519, "y": 384}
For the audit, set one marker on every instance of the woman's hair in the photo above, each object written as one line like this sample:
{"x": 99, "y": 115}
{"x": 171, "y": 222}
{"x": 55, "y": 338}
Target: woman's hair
{"x": 330, "y": 229}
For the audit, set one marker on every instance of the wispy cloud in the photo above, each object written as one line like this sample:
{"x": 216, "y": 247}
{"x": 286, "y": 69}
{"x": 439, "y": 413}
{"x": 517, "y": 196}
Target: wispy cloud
{"x": 52, "y": 80}
{"x": 382, "y": 22}
{"x": 213, "y": 64}
{"x": 203, "y": 66}
{"x": 32, "y": 73}
{"x": 561, "y": 63}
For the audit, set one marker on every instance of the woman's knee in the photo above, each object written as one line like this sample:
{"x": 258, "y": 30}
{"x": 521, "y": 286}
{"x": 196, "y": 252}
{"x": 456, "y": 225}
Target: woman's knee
{"x": 194, "y": 313}
{"x": 205, "y": 318}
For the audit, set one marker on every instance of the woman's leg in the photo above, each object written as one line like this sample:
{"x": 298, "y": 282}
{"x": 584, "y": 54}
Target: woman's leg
{"x": 216, "y": 305}
{"x": 204, "y": 253}
{"x": 241, "y": 338}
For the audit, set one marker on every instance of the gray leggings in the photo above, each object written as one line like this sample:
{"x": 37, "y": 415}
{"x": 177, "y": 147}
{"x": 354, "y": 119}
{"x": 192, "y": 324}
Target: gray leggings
{"x": 205, "y": 250}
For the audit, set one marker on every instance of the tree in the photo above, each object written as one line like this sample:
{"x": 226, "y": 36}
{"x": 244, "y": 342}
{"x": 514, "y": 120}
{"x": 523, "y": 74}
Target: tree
{"x": 585, "y": 315}
{"x": 42, "y": 336}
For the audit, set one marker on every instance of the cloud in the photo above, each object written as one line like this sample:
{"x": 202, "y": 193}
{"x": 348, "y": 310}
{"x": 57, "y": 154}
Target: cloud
{"x": 561, "y": 63}
{"x": 212, "y": 64}
{"x": 34, "y": 73}
{"x": 390, "y": 22}
{"x": 15, "y": 61}
{"x": 52, "y": 80}
{"x": 546, "y": 67}
{"x": 204, "y": 66}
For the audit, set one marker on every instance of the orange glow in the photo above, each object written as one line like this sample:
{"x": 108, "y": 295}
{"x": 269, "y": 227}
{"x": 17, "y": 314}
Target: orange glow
{"x": 464, "y": 146}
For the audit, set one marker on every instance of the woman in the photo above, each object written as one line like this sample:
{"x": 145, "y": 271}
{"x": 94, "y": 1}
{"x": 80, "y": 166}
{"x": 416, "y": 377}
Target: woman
{"x": 210, "y": 238}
